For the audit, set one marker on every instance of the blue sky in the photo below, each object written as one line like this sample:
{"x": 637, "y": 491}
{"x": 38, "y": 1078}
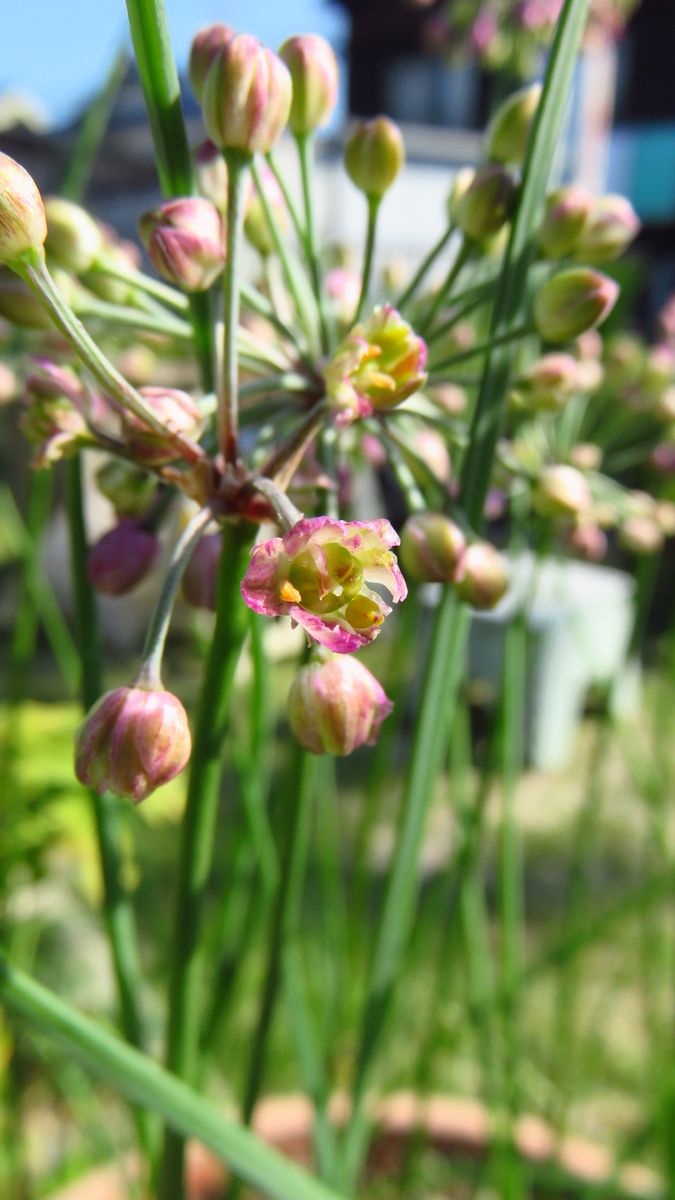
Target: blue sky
{"x": 59, "y": 50}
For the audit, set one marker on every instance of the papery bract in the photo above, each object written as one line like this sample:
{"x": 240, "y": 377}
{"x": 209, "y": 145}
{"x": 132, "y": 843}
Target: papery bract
{"x": 319, "y": 575}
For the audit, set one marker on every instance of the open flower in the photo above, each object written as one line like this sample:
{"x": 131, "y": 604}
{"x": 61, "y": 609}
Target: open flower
{"x": 378, "y": 365}
{"x": 318, "y": 574}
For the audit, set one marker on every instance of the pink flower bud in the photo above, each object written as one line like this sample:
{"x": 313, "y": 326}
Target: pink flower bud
{"x": 314, "y": 75}
{"x": 246, "y": 96}
{"x": 23, "y": 224}
{"x": 482, "y": 579}
{"x": 586, "y": 456}
{"x": 487, "y": 203}
{"x": 612, "y": 225}
{"x": 201, "y": 574}
{"x": 588, "y": 541}
{"x": 567, "y": 212}
{"x": 431, "y": 548}
{"x": 206, "y": 45}
{"x": 432, "y": 448}
{"x": 572, "y": 302}
{"x": 185, "y": 242}
{"x": 256, "y": 226}
{"x": 129, "y": 489}
{"x": 343, "y": 288}
{"x": 659, "y": 370}
{"x": 74, "y": 239}
{"x": 378, "y": 365}
{"x": 624, "y": 361}
{"x": 374, "y": 156}
{"x": 131, "y": 742}
{"x": 664, "y": 511}
{"x": 561, "y": 491}
{"x": 449, "y": 397}
{"x": 52, "y": 418}
{"x": 662, "y": 458}
{"x": 509, "y": 129}
{"x": 549, "y": 382}
{"x": 335, "y": 706}
{"x": 122, "y": 558}
{"x": 319, "y": 575}
{"x": 176, "y": 409}
{"x": 641, "y": 534}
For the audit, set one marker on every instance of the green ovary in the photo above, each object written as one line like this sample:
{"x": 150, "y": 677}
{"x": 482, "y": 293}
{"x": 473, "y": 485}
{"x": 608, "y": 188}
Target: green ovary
{"x": 327, "y": 579}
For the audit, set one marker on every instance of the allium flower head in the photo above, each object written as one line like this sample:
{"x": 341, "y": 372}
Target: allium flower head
{"x": 379, "y": 364}
{"x": 319, "y": 575}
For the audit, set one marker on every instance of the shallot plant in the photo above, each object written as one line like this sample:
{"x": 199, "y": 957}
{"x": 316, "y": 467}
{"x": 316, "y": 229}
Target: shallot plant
{"x": 463, "y": 392}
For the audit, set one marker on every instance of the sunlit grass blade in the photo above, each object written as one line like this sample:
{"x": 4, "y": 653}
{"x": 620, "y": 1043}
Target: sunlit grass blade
{"x": 142, "y": 1081}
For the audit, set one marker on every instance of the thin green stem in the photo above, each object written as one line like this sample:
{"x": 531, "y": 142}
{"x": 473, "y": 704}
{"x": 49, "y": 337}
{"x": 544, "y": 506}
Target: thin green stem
{"x": 133, "y": 318}
{"x": 117, "y": 909}
{"x": 368, "y": 254}
{"x": 291, "y": 277}
{"x": 186, "y": 991}
{"x": 288, "y": 199}
{"x": 163, "y": 292}
{"x": 445, "y": 290}
{"x": 149, "y": 673}
{"x": 445, "y": 661}
{"x": 161, "y": 89}
{"x": 238, "y": 163}
{"x": 305, "y": 144}
{"x": 439, "y": 370}
{"x": 142, "y": 1081}
{"x": 33, "y": 271}
{"x": 424, "y": 267}
{"x": 93, "y": 129}
{"x": 283, "y": 926}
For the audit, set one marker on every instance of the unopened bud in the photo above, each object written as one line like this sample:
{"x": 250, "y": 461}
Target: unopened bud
{"x": 662, "y": 458}
{"x": 664, "y": 511}
{"x": 432, "y": 449}
{"x": 572, "y": 302}
{"x": 246, "y": 96}
{"x": 431, "y": 548}
{"x": 201, "y": 574}
{"x": 549, "y": 382}
{"x": 23, "y": 224}
{"x": 131, "y": 742}
{"x": 509, "y": 129}
{"x": 567, "y": 212}
{"x": 483, "y": 578}
{"x": 185, "y": 242}
{"x": 664, "y": 407}
{"x": 641, "y": 534}
{"x": 336, "y": 705}
{"x": 450, "y": 398}
{"x": 122, "y": 558}
{"x": 206, "y": 45}
{"x": 129, "y": 489}
{"x": 659, "y": 369}
{"x": 624, "y": 361}
{"x": 586, "y": 456}
{"x": 74, "y": 239}
{"x": 611, "y": 227}
{"x": 487, "y": 203}
{"x": 256, "y": 226}
{"x": 176, "y": 409}
{"x": 374, "y": 156}
{"x": 52, "y": 417}
{"x": 461, "y": 182}
{"x": 343, "y": 288}
{"x": 588, "y": 541}
{"x": 561, "y": 491}
{"x": 314, "y": 75}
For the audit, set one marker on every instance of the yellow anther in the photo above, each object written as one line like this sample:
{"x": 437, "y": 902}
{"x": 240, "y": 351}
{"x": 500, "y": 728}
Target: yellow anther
{"x": 371, "y": 351}
{"x": 379, "y": 380}
{"x": 289, "y": 594}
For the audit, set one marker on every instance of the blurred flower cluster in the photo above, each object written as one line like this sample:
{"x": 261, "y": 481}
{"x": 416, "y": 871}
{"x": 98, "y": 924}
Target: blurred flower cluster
{"x": 316, "y": 374}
